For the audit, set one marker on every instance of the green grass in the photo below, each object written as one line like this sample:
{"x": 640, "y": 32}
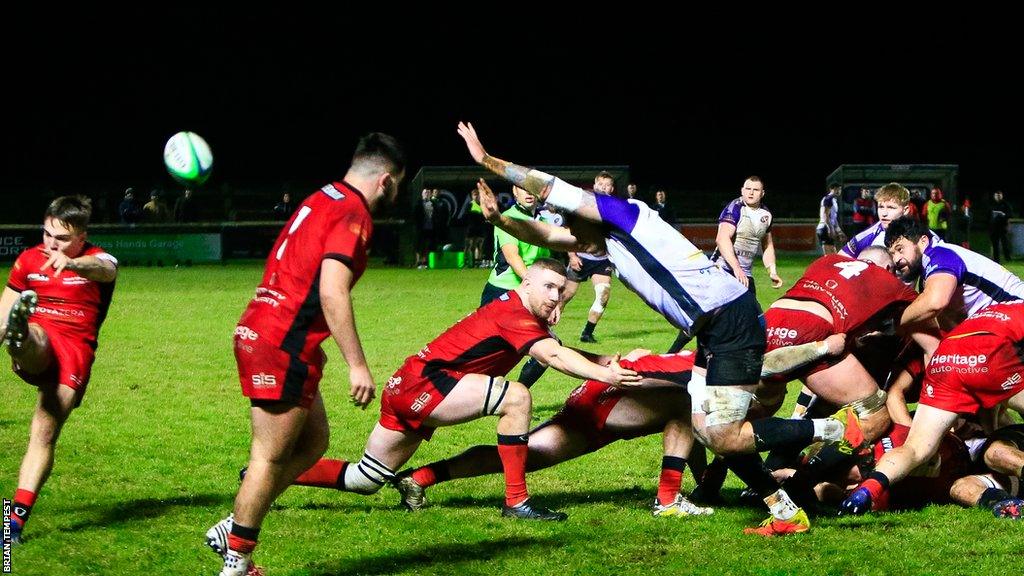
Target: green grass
{"x": 151, "y": 458}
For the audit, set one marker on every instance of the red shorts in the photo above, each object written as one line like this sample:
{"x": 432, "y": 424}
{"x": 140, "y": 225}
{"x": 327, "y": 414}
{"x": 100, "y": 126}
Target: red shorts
{"x": 71, "y": 365}
{"x": 972, "y": 371}
{"x": 408, "y": 399}
{"x": 268, "y": 373}
{"x": 786, "y": 327}
{"x": 587, "y": 410}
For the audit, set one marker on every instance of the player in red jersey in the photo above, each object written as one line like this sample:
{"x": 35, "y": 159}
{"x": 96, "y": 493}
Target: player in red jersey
{"x": 459, "y": 377}
{"x": 595, "y": 415}
{"x": 976, "y": 366}
{"x": 54, "y": 303}
{"x": 304, "y": 297}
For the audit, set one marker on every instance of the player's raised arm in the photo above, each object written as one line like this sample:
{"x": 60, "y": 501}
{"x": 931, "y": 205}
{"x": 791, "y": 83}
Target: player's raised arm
{"x": 545, "y": 187}
{"x": 533, "y": 232}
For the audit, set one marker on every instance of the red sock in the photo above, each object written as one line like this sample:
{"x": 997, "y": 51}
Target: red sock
{"x": 23, "y": 502}
{"x": 427, "y": 476}
{"x": 242, "y": 539}
{"x": 513, "y": 451}
{"x": 325, "y": 473}
{"x": 671, "y": 478}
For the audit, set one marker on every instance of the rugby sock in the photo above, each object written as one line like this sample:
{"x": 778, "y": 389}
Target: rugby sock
{"x": 23, "y": 502}
{"x": 750, "y": 469}
{"x": 671, "y": 478}
{"x": 876, "y": 484}
{"x": 828, "y": 429}
{"x": 326, "y": 473}
{"x": 242, "y": 539}
{"x": 531, "y": 372}
{"x": 990, "y": 496}
{"x": 772, "y": 433}
{"x": 780, "y": 505}
{"x": 714, "y": 475}
{"x": 431, "y": 474}
{"x": 513, "y": 449}
{"x": 589, "y": 328}
{"x": 803, "y": 402}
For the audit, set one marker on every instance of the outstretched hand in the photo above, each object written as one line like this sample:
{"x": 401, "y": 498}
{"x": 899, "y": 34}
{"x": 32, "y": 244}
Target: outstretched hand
{"x": 476, "y": 149}
{"x": 622, "y": 376}
{"x": 488, "y": 202}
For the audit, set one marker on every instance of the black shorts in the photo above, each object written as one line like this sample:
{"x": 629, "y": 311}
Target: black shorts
{"x": 731, "y": 343}
{"x": 824, "y": 238}
{"x": 602, "y": 267}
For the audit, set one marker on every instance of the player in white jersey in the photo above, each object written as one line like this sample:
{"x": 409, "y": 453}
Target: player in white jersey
{"x": 597, "y": 268}
{"x": 744, "y": 226}
{"x": 829, "y": 232}
{"x": 893, "y": 201}
{"x": 676, "y": 279}
{"x": 957, "y": 282}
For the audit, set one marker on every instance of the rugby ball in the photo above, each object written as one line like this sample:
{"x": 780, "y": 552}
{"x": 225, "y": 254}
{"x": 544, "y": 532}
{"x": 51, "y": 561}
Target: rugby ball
{"x": 188, "y": 158}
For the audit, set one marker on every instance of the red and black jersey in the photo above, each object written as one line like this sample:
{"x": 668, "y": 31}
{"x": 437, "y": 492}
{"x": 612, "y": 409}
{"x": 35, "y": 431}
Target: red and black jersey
{"x": 856, "y": 293}
{"x": 335, "y": 223}
{"x": 68, "y": 302}
{"x": 490, "y": 341}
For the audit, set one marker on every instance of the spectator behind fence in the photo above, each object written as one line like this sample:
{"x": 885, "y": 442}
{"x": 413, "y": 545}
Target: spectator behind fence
{"x": 156, "y": 211}
{"x": 185, "y": 208}
{"x": 129, "y": 211}
{"x": 283, "y": 209}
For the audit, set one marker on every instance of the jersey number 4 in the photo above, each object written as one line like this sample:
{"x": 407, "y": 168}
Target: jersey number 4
{"x": 850, "y": 269}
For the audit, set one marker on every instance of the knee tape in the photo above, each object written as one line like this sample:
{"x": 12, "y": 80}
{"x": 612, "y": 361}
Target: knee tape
{"x": 726, "y": 404}
{"x": 869, "y": 405}
{"x": 697, "y": 388}
{"x": 600, "y": 297}
{"x": 366, "y": 476}
{"x": 496, "y": 390}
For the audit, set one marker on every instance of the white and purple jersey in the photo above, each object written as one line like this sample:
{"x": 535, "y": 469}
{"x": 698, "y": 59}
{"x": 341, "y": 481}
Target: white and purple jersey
{"x": 980, "y": 280}
{"x": 874, "y": 235}
{"x": 666, "y": 270}
{"x": 829, "y": 204}
{"x": 752, "y": 225}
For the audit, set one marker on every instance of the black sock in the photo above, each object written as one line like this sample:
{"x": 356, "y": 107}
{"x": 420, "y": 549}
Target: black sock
{"x": 673, "y": 463}
{"x": 772, "y": 433}
{"x": 829, "y": 458}
{"x": 787, "y": 457}
{"x": 750, "y": 469}
{"x": 531, "y": 372}
{"x": 589, "y": 328}
{"x": 990, "y": 496}
{"x": 698, "y": 460}
{"x": 804, "y": 399}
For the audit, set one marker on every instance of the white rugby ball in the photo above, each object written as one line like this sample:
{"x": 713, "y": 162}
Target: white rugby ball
{"x": 188, "y": 158}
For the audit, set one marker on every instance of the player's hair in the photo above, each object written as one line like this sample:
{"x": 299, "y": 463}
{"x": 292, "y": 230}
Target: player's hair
{"x": 549, "y": 264}
{"x": 893, "y": 191}
{"x": 877, "y": 251}
{"x": 604, "y": 174}
{"x": 906, "y": 227}
{"x": 835, "y": 186}
{"x": 378, "y": 152}
{"x": 71, "y": 211}
{"x": 755, "y": 178}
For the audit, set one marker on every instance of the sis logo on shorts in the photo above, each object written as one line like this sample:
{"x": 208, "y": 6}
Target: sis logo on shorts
{"x": 1012, "y": 381}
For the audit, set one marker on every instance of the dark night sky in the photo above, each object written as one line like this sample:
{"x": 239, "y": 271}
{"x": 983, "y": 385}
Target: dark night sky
{"x": 281, "y": 101}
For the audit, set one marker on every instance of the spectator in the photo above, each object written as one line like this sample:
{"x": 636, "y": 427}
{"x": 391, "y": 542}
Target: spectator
{"x": 937, "y": 213}
{"x": 864, "y": 211}
{"x": 662, "y": 208}
{"x": 156, "y": 211}
{"x": 129, "y": 210}
{"x": 998, "y": 226}
{"x": 185, "y": 209}
{"x": 283, "y": 209}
